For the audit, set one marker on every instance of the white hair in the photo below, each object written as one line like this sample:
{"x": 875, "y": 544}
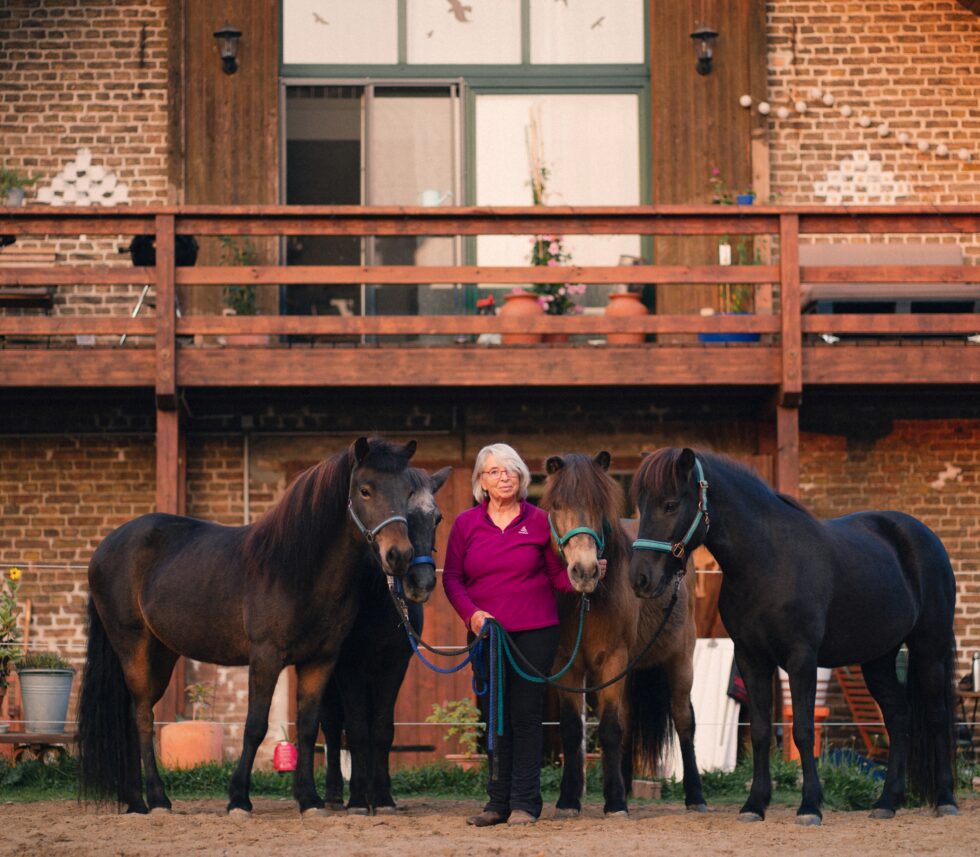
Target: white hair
{"x": 507, "y": 457}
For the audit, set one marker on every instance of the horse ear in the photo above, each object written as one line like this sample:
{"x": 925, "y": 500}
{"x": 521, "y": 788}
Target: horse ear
{"x": 438, "y": 479}
{"x": 644, "y": 453}
{"x": 361, "y": 448}
{"x": 410, "y": 448}
{"x": 554, "y": 464}
{"x": 603, "y": 459}
{"x": 685, "y": 463}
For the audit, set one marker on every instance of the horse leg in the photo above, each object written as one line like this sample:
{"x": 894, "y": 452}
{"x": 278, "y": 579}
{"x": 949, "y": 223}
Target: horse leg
{"x": 612, "y": 718}
{"x": 383, "y": 734}
{"x": 147, "y": 673}
{"x": 882, "y": 682}
{"x": 680, "y": 679}
{"x": 311, "y": 679}
{"x": 358, "y": 728}
{"x": 570, "y": 719}
{"x": 332, "y": 724}
{"x": 758, "y": 684}
{"x": 263, "y": 673}
{"x": 803, "y": 687}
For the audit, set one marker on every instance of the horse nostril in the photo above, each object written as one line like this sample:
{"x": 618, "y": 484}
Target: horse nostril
{"x": 642, "y": 581}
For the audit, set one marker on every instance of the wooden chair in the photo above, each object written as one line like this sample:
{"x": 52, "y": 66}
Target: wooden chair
{"x": 864, "y": 711}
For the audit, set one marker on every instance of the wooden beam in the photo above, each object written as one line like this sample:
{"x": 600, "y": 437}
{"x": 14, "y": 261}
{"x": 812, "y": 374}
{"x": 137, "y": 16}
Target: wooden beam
{"x": 72, "y": 325}
{"x": 534, "y": 365}
{"x": 787, "y": 470}
{"x": 75, "y": 275}
{"x": 945, "y": 324}
{"x": 890, "y": 274}
{"x": 166, "y": 343}
{"x": 76, "y": 367}
{"x": 791, "y": 338}
{"x": 171, "y": 463}
{"x": 876, "y": 364}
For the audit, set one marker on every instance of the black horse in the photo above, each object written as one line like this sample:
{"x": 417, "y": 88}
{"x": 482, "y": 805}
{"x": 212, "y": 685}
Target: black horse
{"x": 280, "y": 591}
{"x": 360, "y": 697}
{"x": 801, "y": 593}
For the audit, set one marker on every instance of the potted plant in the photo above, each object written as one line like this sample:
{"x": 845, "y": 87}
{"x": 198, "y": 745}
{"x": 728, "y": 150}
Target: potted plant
{"x": 45, "y": 686}
{"x": 462, "y": 719}
{"x": 9, "y": 632}
{"x": 197, "y": 741}
{"x": 241, "y": 300}
{"x": 13, "y": 185}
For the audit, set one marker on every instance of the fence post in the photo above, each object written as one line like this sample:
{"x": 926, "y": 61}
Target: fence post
{"x": 791, "y": 346}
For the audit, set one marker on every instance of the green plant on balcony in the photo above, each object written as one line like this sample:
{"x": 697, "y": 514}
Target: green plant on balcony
{"x": 241, "y": 299}
{"x": 13, "y": 184}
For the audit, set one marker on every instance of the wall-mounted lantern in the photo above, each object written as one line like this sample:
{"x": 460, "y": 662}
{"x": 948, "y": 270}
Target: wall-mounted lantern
{"x": 228, "y": 38}
{"x": 704, "y": 47}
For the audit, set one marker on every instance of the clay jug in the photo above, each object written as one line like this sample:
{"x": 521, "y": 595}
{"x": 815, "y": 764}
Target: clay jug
{"x": 521, "y": 304}
{"x": 623, "y": 304}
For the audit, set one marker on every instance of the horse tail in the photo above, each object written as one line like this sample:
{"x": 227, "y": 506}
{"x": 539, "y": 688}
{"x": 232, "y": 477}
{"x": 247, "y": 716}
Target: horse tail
{"x": 932, "y": 750}
{"x": 651, "y": 723}
{"x": 108, "y": 743}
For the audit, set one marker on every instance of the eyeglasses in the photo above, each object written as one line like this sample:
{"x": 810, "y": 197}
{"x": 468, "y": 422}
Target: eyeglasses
{"x": 497, "y": 473}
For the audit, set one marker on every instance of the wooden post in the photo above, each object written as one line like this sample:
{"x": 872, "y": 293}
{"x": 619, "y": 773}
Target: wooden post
{"x": 787, "y": 469}
{"x": 166, "y": 341}
{"x": 791, "y": 337}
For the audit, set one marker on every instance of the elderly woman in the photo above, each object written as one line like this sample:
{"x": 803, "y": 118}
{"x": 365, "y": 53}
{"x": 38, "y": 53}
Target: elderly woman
{"x": 500, "y": 565}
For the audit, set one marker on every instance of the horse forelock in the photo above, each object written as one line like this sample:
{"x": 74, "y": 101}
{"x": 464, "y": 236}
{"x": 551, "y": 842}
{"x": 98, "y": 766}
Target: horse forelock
{"x": 655, "y": 473}
{"x": 582, "y": 485}
{"x": 385, "y": 456}
{"x": 422, "y": 501}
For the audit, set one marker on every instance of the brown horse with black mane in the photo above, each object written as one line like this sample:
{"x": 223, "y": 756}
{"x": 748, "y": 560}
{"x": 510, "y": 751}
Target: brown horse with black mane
{"x": 585, "y": 506}
{"x": 278, "y": 592}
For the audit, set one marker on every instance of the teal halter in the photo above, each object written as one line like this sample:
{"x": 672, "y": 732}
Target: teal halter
{"x": 678, "y": 549}
{"x": 561, "y": 541}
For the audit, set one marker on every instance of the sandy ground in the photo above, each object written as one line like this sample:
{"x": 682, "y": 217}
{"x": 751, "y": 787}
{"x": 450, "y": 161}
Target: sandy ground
{"x": 431, "y": 828}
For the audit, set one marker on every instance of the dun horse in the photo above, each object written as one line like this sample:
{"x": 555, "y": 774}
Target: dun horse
{"x": 280, "y": 591}
{"x": 360, "y": 698}
{"x": 801, "y": 593}
{"x": 585, "y": 504}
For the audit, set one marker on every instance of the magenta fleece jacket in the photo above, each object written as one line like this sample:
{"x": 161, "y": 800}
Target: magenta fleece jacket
{"x": 511, "y": 574}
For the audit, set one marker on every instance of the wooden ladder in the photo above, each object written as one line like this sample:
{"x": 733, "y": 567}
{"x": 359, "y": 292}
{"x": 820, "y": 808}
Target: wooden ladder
{"x": 864, "y": 711}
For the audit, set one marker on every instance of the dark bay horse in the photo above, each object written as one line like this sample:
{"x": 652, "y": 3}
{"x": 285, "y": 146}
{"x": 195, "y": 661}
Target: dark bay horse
{"x": 585, "y": 505}
{"x": 360, "y": 697}
{"x": 800, "y": 593}
{"x": 277, "y": 592}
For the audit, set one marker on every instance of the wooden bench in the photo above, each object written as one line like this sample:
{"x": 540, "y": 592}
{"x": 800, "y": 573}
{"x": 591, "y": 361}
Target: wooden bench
{"x": 49, "y": 747}
{"x": 26, "y": 297}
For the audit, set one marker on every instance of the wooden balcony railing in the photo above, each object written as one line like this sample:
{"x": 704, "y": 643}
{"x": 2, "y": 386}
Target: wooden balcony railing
{"x": 908, "y": 348}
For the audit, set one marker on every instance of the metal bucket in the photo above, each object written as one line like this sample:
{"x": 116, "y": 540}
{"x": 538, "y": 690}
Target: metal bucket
{"x": 44, "y": 694}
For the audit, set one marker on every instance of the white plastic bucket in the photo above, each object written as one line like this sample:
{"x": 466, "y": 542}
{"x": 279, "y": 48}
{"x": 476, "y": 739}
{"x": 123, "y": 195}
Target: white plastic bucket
{"x": 823, "y": 682}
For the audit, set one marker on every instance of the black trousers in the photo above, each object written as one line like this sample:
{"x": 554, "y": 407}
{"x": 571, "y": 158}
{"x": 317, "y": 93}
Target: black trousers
{"x": 515, "y": 763}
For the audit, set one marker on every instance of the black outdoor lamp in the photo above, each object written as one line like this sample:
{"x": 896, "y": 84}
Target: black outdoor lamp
{"x": 704, "y": 47}
{"x": 228, "y": 38}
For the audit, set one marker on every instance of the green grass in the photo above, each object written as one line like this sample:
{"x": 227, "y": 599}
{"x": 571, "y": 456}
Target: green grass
{"x": 846, "y": 785}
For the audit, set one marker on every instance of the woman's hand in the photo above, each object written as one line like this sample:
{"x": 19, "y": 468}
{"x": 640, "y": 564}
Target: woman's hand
{"x": 602, "y": 569}
{"x": 477, "y": 620}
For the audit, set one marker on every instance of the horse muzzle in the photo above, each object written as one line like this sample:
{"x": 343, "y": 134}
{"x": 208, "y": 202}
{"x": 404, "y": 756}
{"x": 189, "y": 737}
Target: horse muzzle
{"x": 394, "y": 553}
{"x": 584, "y": 576}
{"x": 648, "y": 579}
{"x": 420, "y": 581}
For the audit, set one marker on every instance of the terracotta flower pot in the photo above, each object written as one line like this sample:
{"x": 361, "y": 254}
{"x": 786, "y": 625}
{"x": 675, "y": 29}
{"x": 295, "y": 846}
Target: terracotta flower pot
{"x": 466, "y": 761}
{"x": 190, "y": 742}
{"x": 517, "y": 305}
{"x": 625, "y": 305}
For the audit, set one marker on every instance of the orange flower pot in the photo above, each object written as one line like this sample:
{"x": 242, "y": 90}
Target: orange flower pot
{"x": 521, "y": 305}
{"x": 190, "y": 742}
{"x": 625, "y": 305}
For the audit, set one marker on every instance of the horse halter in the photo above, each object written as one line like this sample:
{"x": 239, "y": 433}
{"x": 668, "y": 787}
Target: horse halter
{"x": 679, "y": 549}
{"x": 370, "y": 535}
{"x": 561, "y": 541}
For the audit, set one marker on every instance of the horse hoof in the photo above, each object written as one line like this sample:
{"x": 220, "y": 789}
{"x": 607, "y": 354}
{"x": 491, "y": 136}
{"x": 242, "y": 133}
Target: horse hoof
{"x": 358, "y": 810}
{"x": 385, "y": 810}
{"x": 336, "y": 807}
{"x": 315, "y": 812}
{"x": 239, "y": 814}
{"x": 881, "y": 812}
{"x": 809, "y": 820}
{"x": 619, "y": 813}
{"x": 697, "y": 807}
{"x": 567, "y": 812}
{"x": 947, "y": 809}
{"x": 749, "y": 817}
{"x": 161, "y": 810}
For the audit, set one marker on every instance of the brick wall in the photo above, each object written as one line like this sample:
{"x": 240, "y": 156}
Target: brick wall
{"x": 915, "y": 66}
{"x": 92, "y": 75}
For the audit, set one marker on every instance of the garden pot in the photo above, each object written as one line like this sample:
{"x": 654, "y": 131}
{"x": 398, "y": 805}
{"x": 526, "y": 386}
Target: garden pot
{"x": 729, "y": 337}
{"x": 15, "y": 197}
{"x": 625, "y": 305}
{"x": 517, "y": 305}
{"x": 190, "y": 742}
{"x": 744, "y": 198}
{"x": 44, "y": 698}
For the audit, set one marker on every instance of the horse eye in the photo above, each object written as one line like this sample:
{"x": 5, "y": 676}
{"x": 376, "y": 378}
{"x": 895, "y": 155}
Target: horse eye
{"x": 365, "y": 493}
{"x": 670, "y": 507}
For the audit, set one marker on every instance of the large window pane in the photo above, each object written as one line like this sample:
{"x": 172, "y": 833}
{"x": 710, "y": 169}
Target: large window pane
{"x": 587, "y": 31}
{"x": 591, "y": 150}
{"x": 463, "y": 31}
{"x": 339, "y": 32}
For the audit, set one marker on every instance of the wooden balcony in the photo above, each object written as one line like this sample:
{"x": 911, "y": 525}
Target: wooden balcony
{"x": 932, "y": 349}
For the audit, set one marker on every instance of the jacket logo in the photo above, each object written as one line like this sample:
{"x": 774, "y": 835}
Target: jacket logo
{"x": 522, "y": 531}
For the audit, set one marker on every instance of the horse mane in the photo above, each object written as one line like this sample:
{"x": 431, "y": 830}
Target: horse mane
{"x": 581, "y": 484}
{"x": 657, "y": 469}
{"x": 292, "y": 538}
